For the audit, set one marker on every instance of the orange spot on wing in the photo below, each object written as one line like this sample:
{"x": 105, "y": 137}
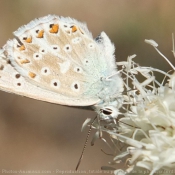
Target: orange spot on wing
{"x": 40, "y": 34}
{"x": 22, "y": 48}
{"x": 24, "y": 61}
{"x": 74, "y": 29}
{"x": 54, "y": 28}
{"x": 32, "y": 75}
{"x": 29, "y": 40}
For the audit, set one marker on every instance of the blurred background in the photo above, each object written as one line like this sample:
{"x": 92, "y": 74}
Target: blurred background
{"x": 36, "y": 135}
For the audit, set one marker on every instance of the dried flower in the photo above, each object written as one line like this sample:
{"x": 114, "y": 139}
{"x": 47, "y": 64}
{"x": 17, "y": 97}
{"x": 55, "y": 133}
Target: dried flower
{"x": 147, "y": 126}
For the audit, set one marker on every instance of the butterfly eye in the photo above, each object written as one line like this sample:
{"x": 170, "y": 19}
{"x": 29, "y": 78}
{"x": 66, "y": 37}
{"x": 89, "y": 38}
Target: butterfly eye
{"x": 45, "y": 71}
{"x": 55, "y": 83}
{"x": 106, "y": 111}
{"x": 37, "y": 56}
{"x": 67, "y": 48}
{"x": 75, "y": 86}
{"x": 109, "y": 112}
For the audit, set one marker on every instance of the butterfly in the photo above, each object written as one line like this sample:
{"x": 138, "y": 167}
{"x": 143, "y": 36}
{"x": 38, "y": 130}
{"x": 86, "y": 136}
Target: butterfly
{"x": 55, "y": 59}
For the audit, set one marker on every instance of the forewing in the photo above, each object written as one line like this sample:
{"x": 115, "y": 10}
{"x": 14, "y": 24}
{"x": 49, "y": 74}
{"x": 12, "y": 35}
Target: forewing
{"x": 60, "y": 56}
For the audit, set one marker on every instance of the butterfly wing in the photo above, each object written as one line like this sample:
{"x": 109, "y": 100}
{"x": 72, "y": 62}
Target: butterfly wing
{"x": 59, "y": 62}
{"x": 11, "y": 81}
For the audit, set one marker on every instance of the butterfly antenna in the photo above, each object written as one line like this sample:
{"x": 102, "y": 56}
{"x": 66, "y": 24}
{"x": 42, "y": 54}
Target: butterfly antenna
{"x": 85, "y": 144}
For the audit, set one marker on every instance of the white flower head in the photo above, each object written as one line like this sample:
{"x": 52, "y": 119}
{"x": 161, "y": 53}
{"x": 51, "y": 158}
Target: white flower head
{"x": 147, "y": 126}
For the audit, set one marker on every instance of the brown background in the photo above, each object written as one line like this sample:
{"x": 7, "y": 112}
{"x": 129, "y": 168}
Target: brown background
{"x": 40, "y": 136}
